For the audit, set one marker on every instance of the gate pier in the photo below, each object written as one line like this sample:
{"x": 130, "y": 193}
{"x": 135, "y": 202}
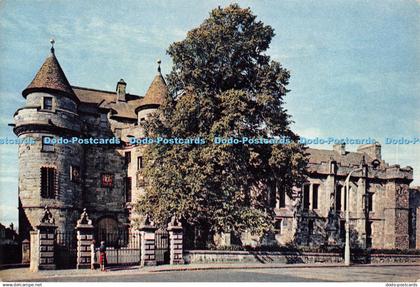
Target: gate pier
{"x": 85, "y": 253}
{"x": 147, "y": 231}
{"x": 175, "y": 241}
{"x": 42, "y": 244}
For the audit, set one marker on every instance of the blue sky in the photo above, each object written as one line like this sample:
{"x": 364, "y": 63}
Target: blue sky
{"x": 355, "y": 65}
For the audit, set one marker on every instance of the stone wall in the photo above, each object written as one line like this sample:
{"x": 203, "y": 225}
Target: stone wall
{"x": 216, "y": 256}
{"x": 394, "y": 258}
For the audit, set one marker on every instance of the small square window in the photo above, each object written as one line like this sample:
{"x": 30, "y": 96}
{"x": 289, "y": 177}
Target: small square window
{"x": 128, "y": 157}
{"x": 370, "y": 201}
{"x": 278, "y": 226}
{"x": 139, "y": 162}
{"x": 47, "y": 144}
{"x": 74, "y": 173}
{"x": 48, "y": 103}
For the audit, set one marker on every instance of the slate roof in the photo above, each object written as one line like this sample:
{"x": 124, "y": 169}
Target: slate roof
{"x": 93, "y": 96}
{"x": 124, "y": 110}
{"x": 348, "y": 159}
{"x": 155, "y": 95}
{"x": 108, "y": 100}
{"x": 157, "y": 92}
{"x": 50, "y": 77}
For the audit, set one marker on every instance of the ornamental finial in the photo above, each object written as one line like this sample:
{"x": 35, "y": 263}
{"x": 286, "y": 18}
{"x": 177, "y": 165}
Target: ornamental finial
{"x": 52, "y": 41}
{"x": 159, "y": 62}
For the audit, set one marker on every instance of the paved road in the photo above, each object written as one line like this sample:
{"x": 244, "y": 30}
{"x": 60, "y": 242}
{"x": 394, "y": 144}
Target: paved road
{"x": 363, "y": 273}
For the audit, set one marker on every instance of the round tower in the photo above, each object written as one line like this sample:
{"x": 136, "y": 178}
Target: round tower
{"x": 155, "y": 96}
{"x": 49, "y": 170}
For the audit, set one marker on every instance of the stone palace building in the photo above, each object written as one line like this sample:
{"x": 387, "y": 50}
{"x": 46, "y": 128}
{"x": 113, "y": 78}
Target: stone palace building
{"x": 106, "y": 178}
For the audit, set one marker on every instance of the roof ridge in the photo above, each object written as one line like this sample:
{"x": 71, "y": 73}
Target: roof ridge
{"x": 93, "y": 90}
{"x": 330, "y": 150}
{"x": 101, "y": 91}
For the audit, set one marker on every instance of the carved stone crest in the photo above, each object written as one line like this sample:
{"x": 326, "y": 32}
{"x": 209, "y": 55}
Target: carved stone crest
{"x": 47, "y": 216}
{"x": 84, "y": 218}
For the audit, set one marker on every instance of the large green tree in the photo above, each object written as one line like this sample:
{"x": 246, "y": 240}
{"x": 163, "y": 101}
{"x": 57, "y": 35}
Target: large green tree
{"x": 222, "y": 84}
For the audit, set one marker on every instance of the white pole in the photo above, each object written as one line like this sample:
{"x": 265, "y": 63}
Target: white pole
{"x": 347, "y": 245}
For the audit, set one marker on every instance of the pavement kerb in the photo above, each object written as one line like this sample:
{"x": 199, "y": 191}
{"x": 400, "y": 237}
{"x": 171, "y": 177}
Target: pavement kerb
{"x": 271, "y": 266}
{"x": 148, "y": 270}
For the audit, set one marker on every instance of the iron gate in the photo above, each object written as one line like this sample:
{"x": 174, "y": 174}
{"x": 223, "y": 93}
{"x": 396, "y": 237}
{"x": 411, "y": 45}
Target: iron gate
{"x": 162, "y": 246}
{"x": 122, "y": 247}
{"x": 66, "y": 249}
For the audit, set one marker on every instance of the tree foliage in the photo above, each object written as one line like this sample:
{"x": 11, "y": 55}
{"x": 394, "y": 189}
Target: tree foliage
{"x": 222, "y": 84}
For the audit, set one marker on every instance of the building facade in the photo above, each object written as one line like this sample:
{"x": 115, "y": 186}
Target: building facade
{"x": 382, "y": 207}
{"x": 106, "y": 177}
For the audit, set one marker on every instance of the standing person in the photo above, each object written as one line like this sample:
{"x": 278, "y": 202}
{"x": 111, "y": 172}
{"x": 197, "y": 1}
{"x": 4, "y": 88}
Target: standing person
{"x": 102, "y": 255}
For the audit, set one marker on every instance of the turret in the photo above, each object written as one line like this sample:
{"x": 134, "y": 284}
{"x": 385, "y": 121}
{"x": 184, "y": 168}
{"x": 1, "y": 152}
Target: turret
{"x": 49, "y": 172}
{"x": 155, "y": 96}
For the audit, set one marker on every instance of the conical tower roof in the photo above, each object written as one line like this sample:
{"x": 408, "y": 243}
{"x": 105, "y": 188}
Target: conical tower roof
{"x": 157, "y": 92}
{"x": 50, "y": 77}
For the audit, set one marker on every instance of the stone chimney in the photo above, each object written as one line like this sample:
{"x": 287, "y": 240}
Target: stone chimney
{"x": 340, "y": 148}
{"x": 372, "y": 150}
{"x": 121, "y": 90}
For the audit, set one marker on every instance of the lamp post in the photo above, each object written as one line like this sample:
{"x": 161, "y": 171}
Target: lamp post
{"x": 347, "y": 245}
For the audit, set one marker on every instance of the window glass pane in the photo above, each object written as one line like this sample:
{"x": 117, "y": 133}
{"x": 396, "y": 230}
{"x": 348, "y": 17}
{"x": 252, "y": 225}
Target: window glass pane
{"x": 127, "y": 157}
{"x": 338, "y": 198}
{"x": 139, "y": 162}
{"x": 370, "y": 201}
{"x": 282, "y": 198}
{"x": 47, "y": 144}
{"x": 306, "y": 196}
{"x": 278, "y": 224}
{"x": 48, "y": 182}
{"x": 47, "y": 103}
{"x": 315, "y": 188}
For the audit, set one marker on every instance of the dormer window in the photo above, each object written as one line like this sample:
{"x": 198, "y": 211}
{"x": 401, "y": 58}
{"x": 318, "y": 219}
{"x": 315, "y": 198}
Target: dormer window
{"x": 47, "y": 103}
